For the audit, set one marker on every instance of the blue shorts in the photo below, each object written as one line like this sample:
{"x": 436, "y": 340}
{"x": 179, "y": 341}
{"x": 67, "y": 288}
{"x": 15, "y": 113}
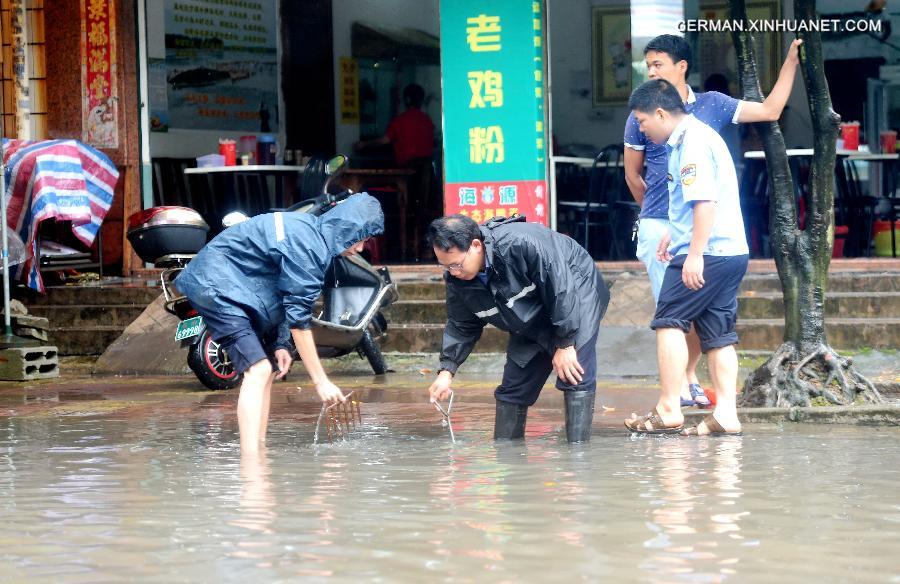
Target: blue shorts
{"x": 245, "y": 347}
{"x": 650, "y": 232}
{"x": 712, "y": 309}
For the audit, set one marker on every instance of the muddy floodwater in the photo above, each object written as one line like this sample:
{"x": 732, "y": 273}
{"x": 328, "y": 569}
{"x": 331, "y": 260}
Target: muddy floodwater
{"x": 100, "y": 488}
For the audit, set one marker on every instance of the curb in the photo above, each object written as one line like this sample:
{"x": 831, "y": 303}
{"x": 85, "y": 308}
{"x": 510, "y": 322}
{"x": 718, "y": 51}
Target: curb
{"x": 868, "y": 415}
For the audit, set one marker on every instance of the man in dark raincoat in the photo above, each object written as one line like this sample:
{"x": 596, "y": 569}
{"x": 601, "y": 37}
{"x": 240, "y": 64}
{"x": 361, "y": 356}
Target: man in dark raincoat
{"x": 541, "y": 287}
{"x": 255, "y": 285}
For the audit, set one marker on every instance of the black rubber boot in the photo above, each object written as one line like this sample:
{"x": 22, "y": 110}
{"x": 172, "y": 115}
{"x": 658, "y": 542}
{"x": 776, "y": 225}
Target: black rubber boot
{"x": 579, "y": 415}
{"x": 509, "y": 421}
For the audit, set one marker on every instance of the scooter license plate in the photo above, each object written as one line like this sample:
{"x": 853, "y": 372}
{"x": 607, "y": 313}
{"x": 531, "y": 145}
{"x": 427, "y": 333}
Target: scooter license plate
{"x": 189, "y": 328}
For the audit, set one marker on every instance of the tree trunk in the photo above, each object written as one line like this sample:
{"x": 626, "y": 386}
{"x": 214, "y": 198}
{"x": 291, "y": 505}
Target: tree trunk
{"x": 804, "y": 367}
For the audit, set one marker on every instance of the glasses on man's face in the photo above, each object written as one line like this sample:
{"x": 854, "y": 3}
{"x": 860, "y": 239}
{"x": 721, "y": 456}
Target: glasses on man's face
{"x": 457, "y": 266}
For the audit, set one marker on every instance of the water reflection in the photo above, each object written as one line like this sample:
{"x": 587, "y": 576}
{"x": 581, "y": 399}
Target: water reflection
{"x": 91, "y": 498}
{"x": 257, "y": 502}
{"x": 695, "y": 500}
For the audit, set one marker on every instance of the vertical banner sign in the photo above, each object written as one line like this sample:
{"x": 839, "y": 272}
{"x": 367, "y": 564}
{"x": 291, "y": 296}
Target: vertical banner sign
{"x": 492, "y": 62}
{"x": 20, "y": 67}
{"x": 349, "y": 91}
{"x": 99, "y": 95}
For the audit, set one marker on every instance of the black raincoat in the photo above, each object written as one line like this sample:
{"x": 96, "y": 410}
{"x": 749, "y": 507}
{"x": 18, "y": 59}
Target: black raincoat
{"x": 543, "y": 288}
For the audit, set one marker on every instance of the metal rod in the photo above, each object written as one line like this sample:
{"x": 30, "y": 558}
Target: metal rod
{"x": 445, "y": 416}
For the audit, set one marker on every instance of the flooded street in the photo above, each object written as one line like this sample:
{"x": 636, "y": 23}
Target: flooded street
{"x": 143, "y": 481}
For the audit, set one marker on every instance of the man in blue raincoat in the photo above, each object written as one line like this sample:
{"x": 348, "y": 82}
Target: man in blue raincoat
{"x": 255, "y": 285}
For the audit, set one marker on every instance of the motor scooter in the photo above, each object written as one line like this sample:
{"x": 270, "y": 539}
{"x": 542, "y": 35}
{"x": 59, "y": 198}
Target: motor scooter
{"x": 349, "y": 315}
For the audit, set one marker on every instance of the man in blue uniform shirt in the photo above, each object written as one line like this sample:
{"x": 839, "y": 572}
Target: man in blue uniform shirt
{"x": 669, "y": 57}
{"x": 706, "y": 250}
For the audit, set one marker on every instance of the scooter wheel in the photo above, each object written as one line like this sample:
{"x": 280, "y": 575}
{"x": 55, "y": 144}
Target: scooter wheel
{"x": 370, "y": 349}
{"x": 211, "y": 364}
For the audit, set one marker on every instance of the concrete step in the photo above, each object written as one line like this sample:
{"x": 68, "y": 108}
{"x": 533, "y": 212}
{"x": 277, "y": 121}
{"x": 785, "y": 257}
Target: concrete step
{"x": 426, "y": 338}
{"x": 837, "y": 282}
{"x": 61, "y": 316}
{"x": 421, "y": 290}
{"x": 842, "y": 333}
{"x": 837, "y": 305}
{"x": 751, "y": 305}
{"x": 417, "y": 312}
{"x": 761, "y": 334}
{"x": 96, "y": 296}
{"x": 758, "y": 283}
{"x": 84, "y": 340}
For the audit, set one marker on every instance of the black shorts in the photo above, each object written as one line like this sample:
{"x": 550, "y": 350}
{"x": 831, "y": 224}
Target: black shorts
{"x": 245, "y": 347}
{"x": 712, "y": 309}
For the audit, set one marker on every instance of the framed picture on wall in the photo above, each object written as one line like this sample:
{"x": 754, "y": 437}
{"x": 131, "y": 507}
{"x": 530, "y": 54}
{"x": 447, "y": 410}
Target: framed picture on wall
{"x": 715, "y": 54}
{"x": 611, "y": 54}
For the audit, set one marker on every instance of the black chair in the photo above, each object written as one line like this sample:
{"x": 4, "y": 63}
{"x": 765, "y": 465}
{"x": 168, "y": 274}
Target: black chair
{"x": 170, "y": 185}
{"x": 894, "y": 183}
{"x": 754, "y": 194}
{"x": 854, "y": 209}
{"x": 890, "y": 184}
{"x": 599, "y": 210}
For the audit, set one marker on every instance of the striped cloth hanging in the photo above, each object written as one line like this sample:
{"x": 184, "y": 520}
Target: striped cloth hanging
{"x": 59, "y": 179}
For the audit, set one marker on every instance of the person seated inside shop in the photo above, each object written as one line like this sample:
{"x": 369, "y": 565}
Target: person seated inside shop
{"x": 411, "y": 137}
{"x": 411, "y": 133}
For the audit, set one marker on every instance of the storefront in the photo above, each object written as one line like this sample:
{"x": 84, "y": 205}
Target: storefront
{"x": 321, "y": 77}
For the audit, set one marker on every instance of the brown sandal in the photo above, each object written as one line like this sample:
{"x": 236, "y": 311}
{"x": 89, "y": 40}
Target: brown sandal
{"x": 713, "y": 426}
{"x": 657, "y": 426}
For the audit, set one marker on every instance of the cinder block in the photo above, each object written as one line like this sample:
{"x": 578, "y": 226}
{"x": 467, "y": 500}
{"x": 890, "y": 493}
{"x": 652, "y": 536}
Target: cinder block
{"x": 27, "y": 363}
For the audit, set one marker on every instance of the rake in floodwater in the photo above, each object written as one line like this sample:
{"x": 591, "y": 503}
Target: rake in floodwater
{"x": 340, "y": 419}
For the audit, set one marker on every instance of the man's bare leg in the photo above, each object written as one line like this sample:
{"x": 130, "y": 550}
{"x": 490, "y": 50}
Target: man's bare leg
{"x": 264, "y": 417}
{"x": 723, "y": 367}
{"x": 694, "y": 354}
{"x": 250, "y": 404}
{"x": 672, "y": 355}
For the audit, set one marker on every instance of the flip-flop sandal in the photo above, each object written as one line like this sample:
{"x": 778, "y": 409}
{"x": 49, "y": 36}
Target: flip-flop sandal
{"x": 713, "y": 426}
{"x": 639, "y": 425}
{"x": 687, "y": 403}
{"x": 699, "y": 397}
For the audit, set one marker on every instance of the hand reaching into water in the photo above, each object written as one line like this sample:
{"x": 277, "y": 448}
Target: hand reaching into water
{"x": 329, "y": 392}
{"x": 440, "y": 388}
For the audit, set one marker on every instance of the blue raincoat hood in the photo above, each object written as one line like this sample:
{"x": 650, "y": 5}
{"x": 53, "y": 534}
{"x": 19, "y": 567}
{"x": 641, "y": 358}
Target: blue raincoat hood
{"x": 354, "y": 219}
{"x": 272, "y": 267}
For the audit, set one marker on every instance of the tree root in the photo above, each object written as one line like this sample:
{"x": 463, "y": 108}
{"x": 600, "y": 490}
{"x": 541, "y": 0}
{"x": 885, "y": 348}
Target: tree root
{"x": 790, "y": 378}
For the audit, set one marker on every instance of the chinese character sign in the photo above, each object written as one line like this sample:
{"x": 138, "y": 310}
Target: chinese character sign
{"x": 99, "y": 95}
{"x": 492, "y": 57}
{"x": 349, "y": 91}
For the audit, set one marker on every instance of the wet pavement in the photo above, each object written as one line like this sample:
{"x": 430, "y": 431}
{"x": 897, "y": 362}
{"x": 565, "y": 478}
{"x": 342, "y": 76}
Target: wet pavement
{"x": 108, "y": 479}
{"x": 139, "y": 396}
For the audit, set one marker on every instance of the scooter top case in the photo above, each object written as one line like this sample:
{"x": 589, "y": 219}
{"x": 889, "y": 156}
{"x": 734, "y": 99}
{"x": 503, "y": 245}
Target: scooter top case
{"x": 162, "y": 232}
